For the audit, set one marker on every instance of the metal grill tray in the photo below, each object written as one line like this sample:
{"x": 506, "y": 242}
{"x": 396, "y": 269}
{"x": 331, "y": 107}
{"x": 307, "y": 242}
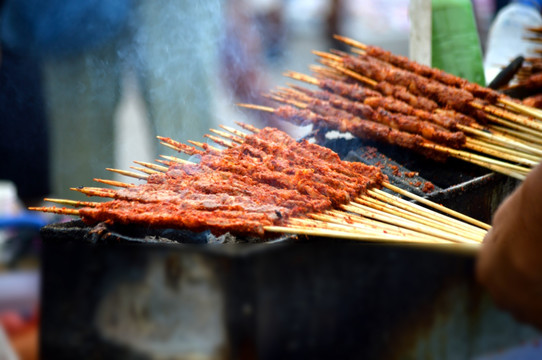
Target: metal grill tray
{"x": 128, "y": 292}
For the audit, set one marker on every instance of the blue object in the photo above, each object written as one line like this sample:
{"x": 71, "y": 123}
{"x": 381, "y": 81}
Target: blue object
{"x": 534, "y": 3}
{"x": 25, "y": 219}
{"x": 60, "y": 27}
{"x": 531, "y": 350}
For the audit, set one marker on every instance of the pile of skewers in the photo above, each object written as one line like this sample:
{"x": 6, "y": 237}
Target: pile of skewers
{"x": 260, "y": 182}
{"x": 374, "y": 94}
{"x": 526, "y": 82}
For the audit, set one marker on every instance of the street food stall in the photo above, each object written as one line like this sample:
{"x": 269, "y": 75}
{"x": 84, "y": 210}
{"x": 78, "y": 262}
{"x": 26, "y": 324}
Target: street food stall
{"x": 330, "y": 246}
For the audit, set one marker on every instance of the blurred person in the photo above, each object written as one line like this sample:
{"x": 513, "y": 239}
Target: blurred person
{"x": 23, "y": 124}
{"x": 334, "y": 22}
{"x": 510, "y": 261}
{"x": 254, "y": 33}
{"x": 85, "y": 48}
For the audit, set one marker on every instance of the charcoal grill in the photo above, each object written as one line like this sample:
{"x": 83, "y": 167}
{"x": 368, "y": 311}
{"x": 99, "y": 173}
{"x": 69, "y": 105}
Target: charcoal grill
{"x": 125, "y": 292}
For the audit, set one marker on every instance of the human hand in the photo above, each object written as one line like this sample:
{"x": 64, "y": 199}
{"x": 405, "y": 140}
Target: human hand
{"x": 510, "y": 261}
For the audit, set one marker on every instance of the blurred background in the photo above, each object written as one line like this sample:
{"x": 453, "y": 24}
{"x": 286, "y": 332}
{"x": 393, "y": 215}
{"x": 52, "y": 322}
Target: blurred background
{"x": 89, "y": 84}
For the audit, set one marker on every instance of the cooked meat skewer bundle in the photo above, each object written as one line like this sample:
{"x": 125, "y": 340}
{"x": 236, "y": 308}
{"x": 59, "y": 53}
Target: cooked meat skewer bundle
{"x": 359, "y": 127}
{"x": 405, "y": 123}
{"x": 447, "y": 96}
{"x": 457, "y": 120}
{"x": 425, "y": 71}
{"x": 533, "y": 101}
{"x": 261, "y": 182}
{"x": 356, "y": 112}
{"x": 388, "y": 103}
{"x": 532, "y": 82}
{"x": 357, "y": 92}
{"x": 365, "y": 129}
{"x": 447, "y": 118}
{"x": 371, "y": 130}
{"x": 198, "y": 197}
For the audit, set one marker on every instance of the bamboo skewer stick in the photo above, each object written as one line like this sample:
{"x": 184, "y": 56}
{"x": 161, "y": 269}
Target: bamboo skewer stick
{"x": 517, "y": 135}
{"x": 340, "y": 226}
{"x": 496, "y": 168}
{"x": 466, "y": 155}
{"x": 190, "y": 150}
{"x": 219, "y": 141}
{"x": 373, "y": 203}
{"x": 521, "y": 108}
{"x": 333, "y": 233}
{"x": 392, "y": 219}
{"x": 227, "y": 136}
{"x": 350, "y": 73}
{"x": 234, "y": 131}
{"x": 350, "y": 42}
{"x": 499, "y": 152}
{"x": 496, "y": 144}
{"x": 377, "y": 228}
{"x": 203, "y": 145}
{"x": 74, "y": 203}
{"x": 169, "y": 146}
{"x": 128, "y": 173}
{"x": 427, "y": 213}
{"x": 322, "y": 72}
{"x": 517, "y": 127}
{"x": 168, "y": 163}
{"x": 92, "y": 191}
{"x": 55, "y": 210}
{"x": 248, "y": 127}
{"x": 355, "y": 221}
{"x": 503, "y": 113}
{"x": 114, "y": 183}
{"x": 410, "y": 206}
{"x": 366, "y": 232}
{"x": 152, "y": 166}
{"x": 507, "y": 142}
{"x": 416, "y": 217}
{"x": 437, "y": 206}
{"x": 132, "y": 174}
{"x": 175, "y": 159}
{"x": 145, "y": 170}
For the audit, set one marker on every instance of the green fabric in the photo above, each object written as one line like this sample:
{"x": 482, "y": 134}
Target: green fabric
{"x": 455, "y": 43}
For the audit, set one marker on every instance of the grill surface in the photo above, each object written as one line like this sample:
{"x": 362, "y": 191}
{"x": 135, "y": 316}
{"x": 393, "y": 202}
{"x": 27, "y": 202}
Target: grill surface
{"x": 461, "y": 186}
